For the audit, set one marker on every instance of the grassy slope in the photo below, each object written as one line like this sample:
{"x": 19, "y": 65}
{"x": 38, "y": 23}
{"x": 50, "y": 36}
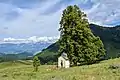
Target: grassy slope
{"x": 49, "y": 54}
{"x": 100, "y": 71}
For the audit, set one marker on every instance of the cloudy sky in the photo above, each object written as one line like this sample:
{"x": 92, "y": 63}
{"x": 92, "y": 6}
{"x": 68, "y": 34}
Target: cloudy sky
{"x": 26, "y": 18}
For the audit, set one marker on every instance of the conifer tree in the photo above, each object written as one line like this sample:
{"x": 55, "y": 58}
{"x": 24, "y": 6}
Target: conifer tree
{"x": 36, "y": 63}
{"x": 76, "y": 38}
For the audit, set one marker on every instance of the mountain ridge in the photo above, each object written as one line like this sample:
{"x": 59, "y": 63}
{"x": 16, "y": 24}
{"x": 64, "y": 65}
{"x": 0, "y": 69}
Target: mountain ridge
{"x": 11, "y": 48}
{"x": 109, "y": 35}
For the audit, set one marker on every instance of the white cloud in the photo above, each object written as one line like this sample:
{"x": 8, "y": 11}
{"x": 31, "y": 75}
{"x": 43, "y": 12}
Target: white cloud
{"x": 33, "y": 21}
{"x": 105, "y": 12}
{"x": 30, "y": 39}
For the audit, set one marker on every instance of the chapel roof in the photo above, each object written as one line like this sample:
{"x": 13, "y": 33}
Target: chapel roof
{"x": 64, "y": 55}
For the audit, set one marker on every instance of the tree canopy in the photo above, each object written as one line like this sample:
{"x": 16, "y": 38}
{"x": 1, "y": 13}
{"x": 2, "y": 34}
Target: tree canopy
{"x": 76, "y": 38}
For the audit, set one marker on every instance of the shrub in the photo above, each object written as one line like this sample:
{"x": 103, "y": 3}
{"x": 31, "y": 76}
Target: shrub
{"x": 36, "y": 63}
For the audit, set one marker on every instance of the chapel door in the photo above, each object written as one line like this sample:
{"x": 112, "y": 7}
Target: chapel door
{"x": 61, "y": 63}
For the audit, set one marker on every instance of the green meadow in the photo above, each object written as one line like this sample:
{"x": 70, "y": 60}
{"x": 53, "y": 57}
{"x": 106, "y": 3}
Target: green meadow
{"x": 23, "y": 70}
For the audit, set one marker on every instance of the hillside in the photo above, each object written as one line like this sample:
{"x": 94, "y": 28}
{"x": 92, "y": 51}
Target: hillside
{"x": 109, "y": 35}
{"x": 13, "y": 57}
{"x": 49, "y": 55}
{"x": 20, "y": 51}
{"x": 20, "y": 71}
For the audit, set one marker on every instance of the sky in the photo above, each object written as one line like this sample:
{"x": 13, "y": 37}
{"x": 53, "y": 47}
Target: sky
{"x": 27, "y": 18}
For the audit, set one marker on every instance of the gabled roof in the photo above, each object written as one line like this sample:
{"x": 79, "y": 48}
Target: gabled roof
{"x": 64, "y": 55}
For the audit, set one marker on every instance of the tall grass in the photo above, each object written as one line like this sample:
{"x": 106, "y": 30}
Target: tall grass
{"x": 100, "y": 71}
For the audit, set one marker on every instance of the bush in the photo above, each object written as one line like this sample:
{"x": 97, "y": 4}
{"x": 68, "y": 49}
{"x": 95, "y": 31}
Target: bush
{"x": 36, "y": 63}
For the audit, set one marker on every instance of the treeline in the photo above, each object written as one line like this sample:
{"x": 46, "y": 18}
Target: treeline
{"x": 14, "y": 57}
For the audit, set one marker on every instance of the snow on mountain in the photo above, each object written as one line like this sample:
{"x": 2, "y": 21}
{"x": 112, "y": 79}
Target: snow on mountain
{"x": 32, "y": 39}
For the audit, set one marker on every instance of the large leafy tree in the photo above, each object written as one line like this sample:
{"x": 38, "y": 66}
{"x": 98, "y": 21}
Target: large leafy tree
{"x": 76, "y": 38}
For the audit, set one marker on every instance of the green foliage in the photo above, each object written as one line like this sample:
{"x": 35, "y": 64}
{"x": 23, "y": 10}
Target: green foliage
{"x": 36, "y": 63}
{"x": 76, "y": 38}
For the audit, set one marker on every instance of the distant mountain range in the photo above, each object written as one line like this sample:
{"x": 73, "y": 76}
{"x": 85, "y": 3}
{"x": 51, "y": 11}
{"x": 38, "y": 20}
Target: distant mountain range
{"x": 32, "y": 39}
{"x": 109, "y": 35}
{"x": 31, "y": 45}
{"x": 17, "y": 49}
{"x": 11, "y": 48}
